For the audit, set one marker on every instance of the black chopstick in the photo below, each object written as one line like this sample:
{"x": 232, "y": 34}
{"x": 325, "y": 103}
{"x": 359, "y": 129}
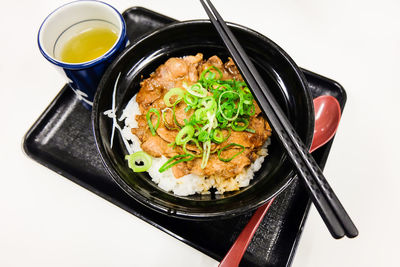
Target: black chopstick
{"x": 327, "y": 203}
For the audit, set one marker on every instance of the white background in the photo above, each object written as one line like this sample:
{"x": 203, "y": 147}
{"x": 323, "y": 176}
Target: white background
{"x": 46, "y": 220}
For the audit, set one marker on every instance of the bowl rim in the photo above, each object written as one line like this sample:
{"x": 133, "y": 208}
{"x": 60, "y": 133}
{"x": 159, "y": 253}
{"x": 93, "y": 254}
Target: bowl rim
{"x": 186, "y": 214}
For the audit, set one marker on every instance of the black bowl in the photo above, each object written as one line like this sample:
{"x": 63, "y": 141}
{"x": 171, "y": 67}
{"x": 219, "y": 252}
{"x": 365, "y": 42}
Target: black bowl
{"x": 188, "y": 38}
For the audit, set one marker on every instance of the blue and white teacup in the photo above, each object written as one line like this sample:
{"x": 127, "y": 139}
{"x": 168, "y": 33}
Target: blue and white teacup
{"x": 62, "y": 24}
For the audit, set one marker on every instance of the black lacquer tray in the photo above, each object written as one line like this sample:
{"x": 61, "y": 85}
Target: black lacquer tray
{"x": 62, "y": 140}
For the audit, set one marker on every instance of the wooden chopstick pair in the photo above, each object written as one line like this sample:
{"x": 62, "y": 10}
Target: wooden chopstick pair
{"x": 328, "y": 205}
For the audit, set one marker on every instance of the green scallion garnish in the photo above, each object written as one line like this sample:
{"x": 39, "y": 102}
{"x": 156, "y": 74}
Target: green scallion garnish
{"x": 240, "y": 124}
{"x": 191, "y": 100}
{"x": 139, "y": 161}
{"x": 175, "y": 160}
{"x": 166, "y": 123}
{"x": 196, "y": 142}
{"x": 178, "y": 92}
{"x": 153, "y": 129}
{"x": 206, "y": 153}
{"x": 197, "y": 90}
{"x": 184, "y": 135}
{"x": 218, "y": 136}
{"x": 234, "y": 156}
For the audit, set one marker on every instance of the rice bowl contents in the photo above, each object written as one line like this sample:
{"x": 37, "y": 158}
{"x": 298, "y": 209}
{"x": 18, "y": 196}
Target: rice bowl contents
{"x": 200, "y": 124}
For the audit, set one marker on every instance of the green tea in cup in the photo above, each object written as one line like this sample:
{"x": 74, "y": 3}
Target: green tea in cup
{"x": 86, "y": 41}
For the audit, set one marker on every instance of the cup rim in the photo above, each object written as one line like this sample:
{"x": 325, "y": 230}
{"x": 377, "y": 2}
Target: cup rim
{"x": 108, "y": 54}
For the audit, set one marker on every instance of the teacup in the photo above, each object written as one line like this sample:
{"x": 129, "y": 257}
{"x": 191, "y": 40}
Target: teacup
{"x": 69, "y": 30}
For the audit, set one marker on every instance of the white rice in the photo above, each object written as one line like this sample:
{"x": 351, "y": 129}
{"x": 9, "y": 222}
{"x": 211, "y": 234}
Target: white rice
{"x": 189, "y": 184}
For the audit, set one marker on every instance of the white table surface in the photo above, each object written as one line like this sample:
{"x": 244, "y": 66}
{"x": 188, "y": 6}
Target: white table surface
{"x": 47, "y": 220}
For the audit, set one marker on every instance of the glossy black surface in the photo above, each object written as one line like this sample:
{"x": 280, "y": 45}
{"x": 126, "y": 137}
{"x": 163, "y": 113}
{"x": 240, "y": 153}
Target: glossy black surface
{"x": 62, "y": 140}
{"x": 283, "y": 77}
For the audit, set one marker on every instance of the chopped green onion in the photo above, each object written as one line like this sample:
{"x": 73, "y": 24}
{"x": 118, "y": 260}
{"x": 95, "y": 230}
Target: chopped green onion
{"x": 250, "y": 130}
{"x": 220, "y": 118}
{"x": 167, "y": 125}
{"x": 209, "y": 103}
{"x": 191, "y": 100}
{"x": 240, "y": 124}
{"x": 224, "y": 124}
{"x": 184, "y": 135}
{"x": 206, "y": 153}
{"x": 234, "y": 156}
{"x": 208, "y": 75}
{"x": 247, "y": 99}
{"x": 173, "y": 145}
{"x": 228, "y": 106}
{"x": 200, "y": 115}
{"x": 173, "y": 161}
{"x": 243, "y": 84}
{"x": 179, "y": 92}
{"x": 215, "y": 150}
{"x": 197, "y": 145}
{"x": 174, "y": 116}
{"x": 218, "y": 137}
{"x": 139, "y": 161}
{"x": 212, "y": 122}
{"x": 192, "y": 121}
{"x": 153, "y": 129}
{"x": 251, "y": 110}
{"x": 203, "y": 136}
{"x": 197, "y": 90}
